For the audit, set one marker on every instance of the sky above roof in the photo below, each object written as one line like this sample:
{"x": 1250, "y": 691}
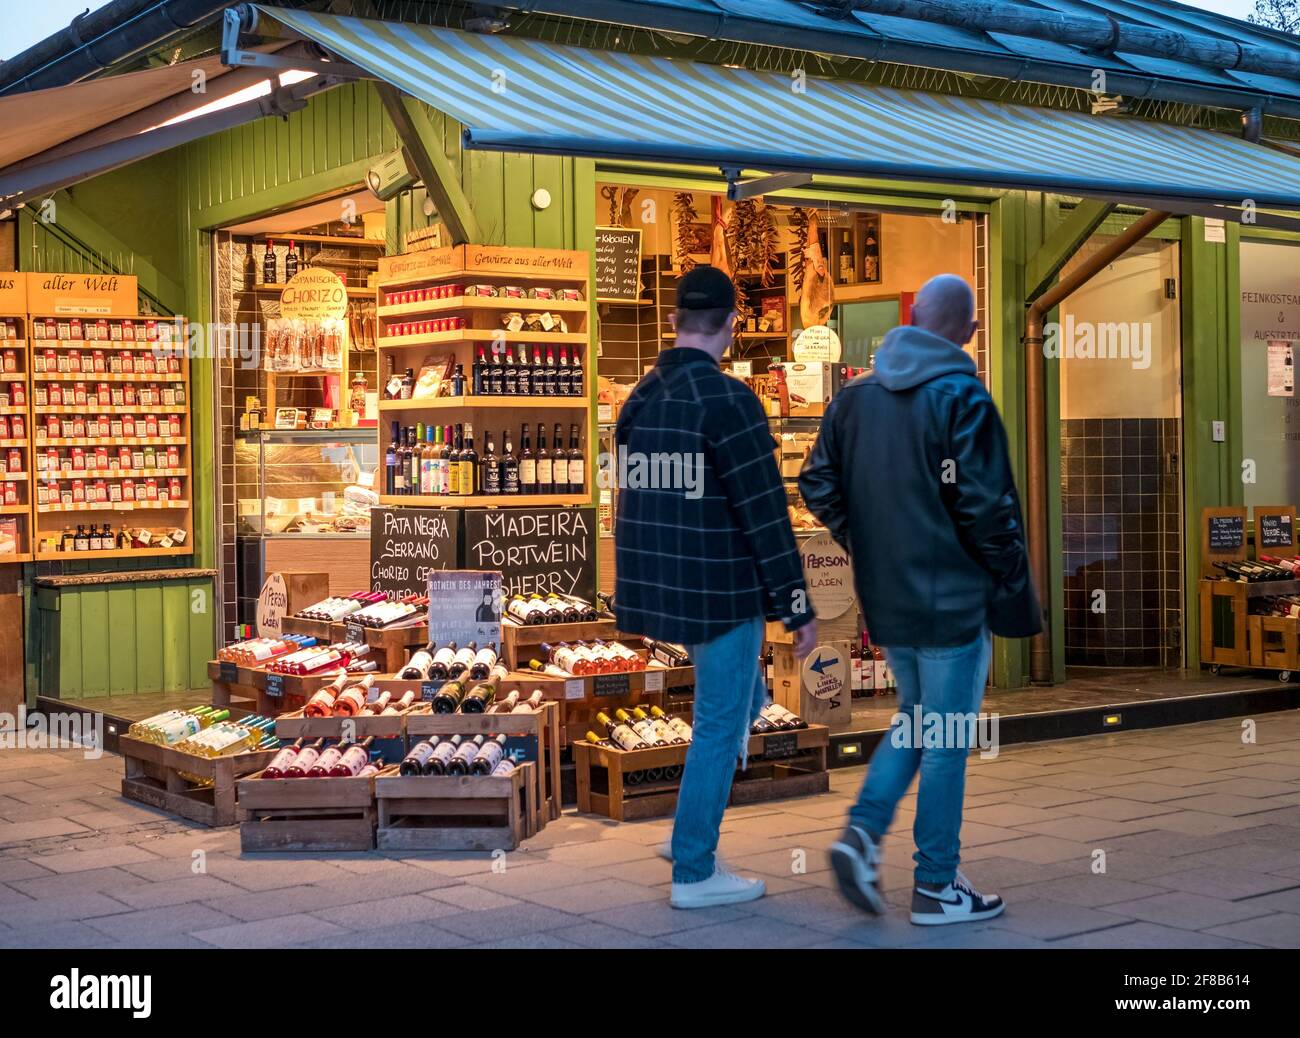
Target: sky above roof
{"x": 32, "y": 22}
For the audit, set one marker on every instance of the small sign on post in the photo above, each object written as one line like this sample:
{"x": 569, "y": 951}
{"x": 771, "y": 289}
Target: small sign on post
{"x": 1223, "y": 537}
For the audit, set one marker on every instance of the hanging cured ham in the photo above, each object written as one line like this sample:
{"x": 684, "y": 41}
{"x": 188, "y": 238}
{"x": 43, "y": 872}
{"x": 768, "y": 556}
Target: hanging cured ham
{"x": 719, "y": 256}
{"x": 818, "y": 297}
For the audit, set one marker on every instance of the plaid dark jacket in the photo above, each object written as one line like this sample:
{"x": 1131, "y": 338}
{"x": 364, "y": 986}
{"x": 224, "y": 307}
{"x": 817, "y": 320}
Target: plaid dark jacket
{"x": 695, "y": 563}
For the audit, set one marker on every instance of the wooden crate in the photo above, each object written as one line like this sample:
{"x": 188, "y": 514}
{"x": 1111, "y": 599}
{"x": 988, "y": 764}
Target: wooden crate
{"x": 294, "y": 725}
{"x": 456, "y": 812}
{"x": 1225, "y": 642}
{"x": 543, "y": 725}
{"x": 153, "y": 777}
{"x": 389, "y": 648}
{"x": 781, "y": 764}
{"x": 307, "y": 814}
{"x": 521, "y": 642}
{"x": 1274, "y": 642}
{"x": 585, "y": 697}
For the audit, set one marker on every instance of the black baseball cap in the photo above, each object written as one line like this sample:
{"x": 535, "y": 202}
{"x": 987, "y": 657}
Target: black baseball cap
{"x": 705, "y": 287}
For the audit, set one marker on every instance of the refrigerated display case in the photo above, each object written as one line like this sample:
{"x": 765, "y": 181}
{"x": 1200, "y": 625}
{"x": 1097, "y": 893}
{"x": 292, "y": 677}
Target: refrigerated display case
{"x": 303, "y": 500}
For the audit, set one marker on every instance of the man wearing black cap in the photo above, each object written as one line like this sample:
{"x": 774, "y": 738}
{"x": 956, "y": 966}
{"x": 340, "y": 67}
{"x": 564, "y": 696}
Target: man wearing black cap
{"x": 704, "y": 561}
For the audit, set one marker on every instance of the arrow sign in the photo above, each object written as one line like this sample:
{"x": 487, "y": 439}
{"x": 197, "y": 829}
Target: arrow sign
{"x": 819, "y": 665}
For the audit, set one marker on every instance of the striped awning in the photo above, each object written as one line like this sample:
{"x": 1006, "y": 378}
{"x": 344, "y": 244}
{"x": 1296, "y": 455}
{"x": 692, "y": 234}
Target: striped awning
{"x": 516, "y": 94}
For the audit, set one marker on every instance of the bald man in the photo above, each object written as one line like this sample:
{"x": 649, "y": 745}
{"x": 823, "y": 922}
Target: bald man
{"x": 910, "y": 474}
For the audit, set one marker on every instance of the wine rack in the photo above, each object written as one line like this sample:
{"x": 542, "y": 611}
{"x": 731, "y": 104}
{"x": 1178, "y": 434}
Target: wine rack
{"x": 441, "y": 302}
{"x": 15, "y": 440}
{"x": 110, "y": 438}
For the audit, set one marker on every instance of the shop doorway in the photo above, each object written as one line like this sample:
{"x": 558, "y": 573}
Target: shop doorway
{"x": 1119, "y": 345}
{"x": 296, "y": 438}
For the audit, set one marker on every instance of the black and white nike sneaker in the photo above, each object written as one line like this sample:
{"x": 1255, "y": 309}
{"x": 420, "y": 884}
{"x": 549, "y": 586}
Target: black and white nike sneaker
{"x": 854, "y": 857}
{"x": 958, "y": 902}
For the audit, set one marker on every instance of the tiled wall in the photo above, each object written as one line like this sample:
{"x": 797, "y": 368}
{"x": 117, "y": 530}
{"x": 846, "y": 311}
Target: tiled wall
{"x": 1121, "y": 535}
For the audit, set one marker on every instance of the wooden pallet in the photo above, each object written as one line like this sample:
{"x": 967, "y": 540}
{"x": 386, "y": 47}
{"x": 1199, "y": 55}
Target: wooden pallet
{"x": 544, "y": 726}
{"x": 153, "y": 777}
{"x": 456, "y": 812}
{"x": 781, "y": 764}
{"x": 306, "y": 814}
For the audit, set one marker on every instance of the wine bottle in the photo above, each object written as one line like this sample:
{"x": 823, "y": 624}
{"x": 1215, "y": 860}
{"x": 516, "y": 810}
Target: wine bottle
{"x": 479, "y": 698}
{"x": 269, "y": 264}
{"x": 419, "y": 756}
{"x": 560, "y": 463}
{"x": 487, "y": 758}
{"x": 417, "y": 667}
{"x": 620, "y": 734}
{"x": 509, "y": 465}
{"x": 666, "y": 653}
{"x": 324, "y": 765}
{"x": 352, "y": 701}
{"x": 440, "y": 664}
{"x": 356, "y": 758}
{"x": 675, "y": 723}
{"x": 490, "y": 468}
{"x": 463, "y": 660}
{"x": 447, "y": 699}
{"x": 468, "y": 464}
{"x": 463, "y": 758}
{"x": 441, "y": 756}
{"x": 527, "y": 464}
{"x": 545, "y": 464}
{"x": 645, "y": 729}
{"x": 484, "y": 660}
{"x": 291, "y": 262}
{"x": 505, "y": 706}
{"x": 286, "y": 755}
{"x": 577, "y": 464}
{"x": 531, "y": 705}
{"x": 306, "y": 759}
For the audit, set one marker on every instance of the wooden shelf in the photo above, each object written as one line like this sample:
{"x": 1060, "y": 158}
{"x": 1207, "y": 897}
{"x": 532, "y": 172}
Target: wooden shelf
{"x": 108, "y": 474}
{"x": 484, "y": 335}
{"x": 485, "y": 500}
{"x": 111, "y": 409}
{"x": 433, "y": 306}
{"x": 105, "y": 376}
{"x": 320, "y": 239}
{"x": 114, "y": 553}
{"x": 13, "y": 409}
{"x": 442, "y": 403}
{"x": 12, "y": 477}
{"x": 482, "y": 277}
{"x": 13, "y": 443}
{"x": 13, "y": 509}
{"x": 114, "y": 506}
{"x": 108, "y": 441}
{"x": 109, "y": 345}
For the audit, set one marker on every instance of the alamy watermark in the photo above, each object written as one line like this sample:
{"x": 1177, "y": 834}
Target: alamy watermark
{"x": 660, "y": 470}
{"x": 54, "y": 730}
{"x": 923, "y": 729}
{"x": 1090, "y": 340}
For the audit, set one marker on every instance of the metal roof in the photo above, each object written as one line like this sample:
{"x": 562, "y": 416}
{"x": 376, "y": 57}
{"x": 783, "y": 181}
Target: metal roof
{"x": 562, "y": 99}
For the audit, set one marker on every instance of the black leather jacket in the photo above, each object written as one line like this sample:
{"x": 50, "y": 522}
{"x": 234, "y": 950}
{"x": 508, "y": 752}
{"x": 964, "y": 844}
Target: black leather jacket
{"x": 911, "y": 475}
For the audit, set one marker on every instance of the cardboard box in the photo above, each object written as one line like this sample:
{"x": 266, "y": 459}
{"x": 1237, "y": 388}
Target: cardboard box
{"x": 810, "y": 385}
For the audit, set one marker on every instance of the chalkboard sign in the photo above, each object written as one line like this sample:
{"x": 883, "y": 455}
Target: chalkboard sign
{"x": 1227, "y": 532}
{"x": 1274, "y": 527}
{"x": 407, "y": 544}
{"x": 611, "y": 685}
{"x": 535, "y": 549}
{"x": 1223, "y": 537}
{"x": 618, "y": 264}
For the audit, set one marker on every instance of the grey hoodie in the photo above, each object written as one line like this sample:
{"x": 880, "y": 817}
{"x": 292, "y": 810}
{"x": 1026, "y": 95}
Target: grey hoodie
{"x": 911, "y": 355}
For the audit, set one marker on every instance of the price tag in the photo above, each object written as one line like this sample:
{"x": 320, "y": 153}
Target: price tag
{"x": 780, "y": 744}
{"x": 575, "y": 688}
{"x": 229, "y": 672}
{"x": 428, "y": 689}
{"x": 354, "y": 633}
{"x": 275, "y": 685}
{"x": 611, "y": 685}
{"x": 654, "y": 680}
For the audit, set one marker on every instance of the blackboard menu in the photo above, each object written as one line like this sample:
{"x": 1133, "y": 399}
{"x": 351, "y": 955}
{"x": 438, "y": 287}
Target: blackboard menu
{"x": 1227, "y": 532}
{"x": 618, "y": 264}
{"x": 407, "y": 544}
{"x": 1273, "y": 530}
{"x": 536, "y": 549}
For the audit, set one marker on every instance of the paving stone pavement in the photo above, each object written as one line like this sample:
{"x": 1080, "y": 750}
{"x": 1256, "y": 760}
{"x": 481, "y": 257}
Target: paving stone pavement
{"x": 1176, "y": 837}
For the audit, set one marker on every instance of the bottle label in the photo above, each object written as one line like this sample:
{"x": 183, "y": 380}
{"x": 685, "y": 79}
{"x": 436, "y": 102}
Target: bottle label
{"x": 491, "y": 478}
{"x": 545, "y": 471}
{"x": 528, "y": 473}
{"x": 560, "y": 471}
{"x": 577, "y": 472}
{"x": 466, "y": 477}
{"x": 446, "y": 655}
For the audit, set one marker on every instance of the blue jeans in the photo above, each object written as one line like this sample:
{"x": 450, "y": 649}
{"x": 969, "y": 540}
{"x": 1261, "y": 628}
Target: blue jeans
{"x": 944, "y": 682}
{"x": 729, "y": 693}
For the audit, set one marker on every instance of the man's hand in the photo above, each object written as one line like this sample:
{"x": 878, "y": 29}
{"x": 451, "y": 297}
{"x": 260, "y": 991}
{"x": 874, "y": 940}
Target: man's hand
{"x": 805, "y": 639}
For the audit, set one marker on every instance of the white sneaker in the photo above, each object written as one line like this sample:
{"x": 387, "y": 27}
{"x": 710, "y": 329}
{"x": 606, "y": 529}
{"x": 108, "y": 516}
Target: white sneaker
{"x": 958, "y": 902}
{"x": 722, "y": 888}
{"x": 666, "y": 848}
